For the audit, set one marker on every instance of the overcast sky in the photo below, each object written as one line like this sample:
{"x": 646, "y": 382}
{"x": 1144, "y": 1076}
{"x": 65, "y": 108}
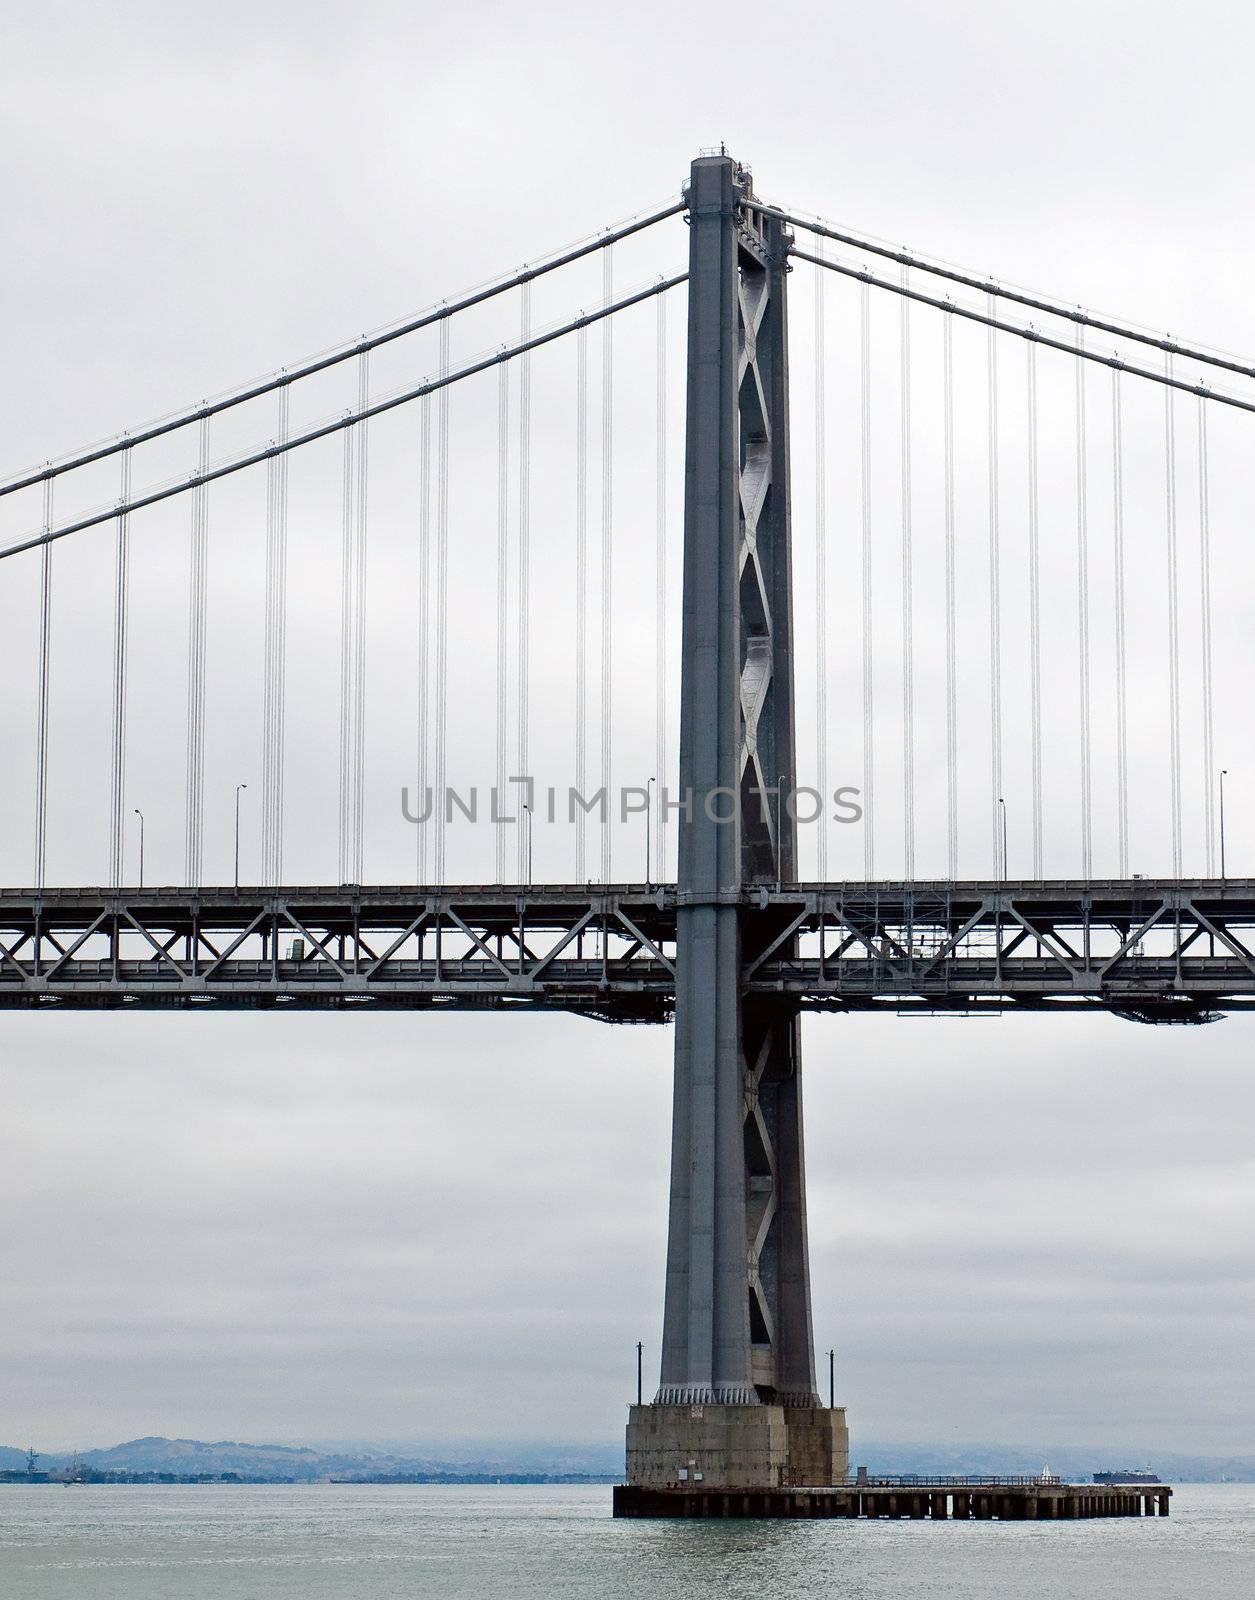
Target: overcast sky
{"x": 447, "y": 1229}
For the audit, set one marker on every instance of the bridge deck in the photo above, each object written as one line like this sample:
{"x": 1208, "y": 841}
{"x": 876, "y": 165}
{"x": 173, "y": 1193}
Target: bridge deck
{"x": 1155, "y": 950}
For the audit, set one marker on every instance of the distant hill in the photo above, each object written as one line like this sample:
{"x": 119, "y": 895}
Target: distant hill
{"x": 302, "y": 1464}
{"x": 257, "y": 1463}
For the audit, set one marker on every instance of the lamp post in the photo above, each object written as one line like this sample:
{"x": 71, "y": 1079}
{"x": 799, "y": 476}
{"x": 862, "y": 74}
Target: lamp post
{"x": 1224, "y": 772}
{"x": 238, "y": 787}
{"x": 832, "y": 1380}
{"x": 528, "y": 809}
{"x": 782, "y": 799}
{"x": 140, "y": 815}
{"x": 649, "y": 811}
{"x": 1003, "y": 807}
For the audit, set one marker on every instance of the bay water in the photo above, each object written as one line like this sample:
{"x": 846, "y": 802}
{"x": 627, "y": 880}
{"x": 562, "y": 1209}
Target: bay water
{"x": 446, "y": 1542}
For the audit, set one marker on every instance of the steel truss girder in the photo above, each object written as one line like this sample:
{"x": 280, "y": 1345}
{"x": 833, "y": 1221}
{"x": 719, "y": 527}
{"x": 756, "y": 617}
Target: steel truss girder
{"x": 1152, "y": 949}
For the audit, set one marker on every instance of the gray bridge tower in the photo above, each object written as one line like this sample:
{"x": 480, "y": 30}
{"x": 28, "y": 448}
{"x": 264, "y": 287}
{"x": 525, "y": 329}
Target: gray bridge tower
{"x": 737, "y": 1404}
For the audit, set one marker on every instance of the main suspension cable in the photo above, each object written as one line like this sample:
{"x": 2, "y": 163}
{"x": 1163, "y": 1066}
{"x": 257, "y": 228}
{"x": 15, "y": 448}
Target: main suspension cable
{"x": 1028, "y": 333}
{"x": 348, "y": 420}
{"x": 290, "y": 375}
{"x": 991, "y": 287}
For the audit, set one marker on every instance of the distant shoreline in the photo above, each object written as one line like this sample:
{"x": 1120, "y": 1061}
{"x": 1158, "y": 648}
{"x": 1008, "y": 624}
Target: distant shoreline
{"x": 229, "y": 1481}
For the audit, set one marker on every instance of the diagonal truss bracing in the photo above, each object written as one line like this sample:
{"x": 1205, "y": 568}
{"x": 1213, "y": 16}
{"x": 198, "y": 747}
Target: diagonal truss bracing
{"x": 1150, "y": 950}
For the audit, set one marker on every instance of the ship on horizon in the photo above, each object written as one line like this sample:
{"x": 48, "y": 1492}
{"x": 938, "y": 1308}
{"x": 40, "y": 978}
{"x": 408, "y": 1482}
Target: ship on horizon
{"x": 1128, "y": 1475}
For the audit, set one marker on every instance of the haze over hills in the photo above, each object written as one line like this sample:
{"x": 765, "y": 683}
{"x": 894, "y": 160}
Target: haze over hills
{"x": 304, "y": 1464}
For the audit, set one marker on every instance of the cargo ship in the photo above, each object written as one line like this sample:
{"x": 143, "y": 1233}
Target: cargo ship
{"x": 1128, "y": 1475}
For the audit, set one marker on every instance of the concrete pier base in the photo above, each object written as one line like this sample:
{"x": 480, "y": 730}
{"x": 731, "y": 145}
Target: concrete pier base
{"x": 736, "y": 1447}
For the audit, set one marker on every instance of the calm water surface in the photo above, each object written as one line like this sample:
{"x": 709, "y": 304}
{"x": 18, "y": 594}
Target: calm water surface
{"x": 334, "y": 1542}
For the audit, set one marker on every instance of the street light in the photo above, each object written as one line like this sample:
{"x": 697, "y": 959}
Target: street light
{"x": 649, "y": 809}
{"x": 1224, "y": 772}
{"x": 140, "y": 815}
{"x": 528, "y": 809}
{"x": 238, "y": 787}
{"x": 782, "y": 794}
{"x": 1002, "y": 803}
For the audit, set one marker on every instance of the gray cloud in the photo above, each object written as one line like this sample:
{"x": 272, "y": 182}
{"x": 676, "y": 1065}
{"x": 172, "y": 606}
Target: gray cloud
{"x": 454, "y": 1228}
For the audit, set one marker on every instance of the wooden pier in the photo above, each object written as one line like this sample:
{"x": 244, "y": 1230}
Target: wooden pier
{"x": 941, "y": 1499}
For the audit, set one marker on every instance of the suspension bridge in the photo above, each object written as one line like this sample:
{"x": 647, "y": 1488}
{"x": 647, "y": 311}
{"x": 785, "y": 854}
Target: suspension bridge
{"x": 1032, "y": 670}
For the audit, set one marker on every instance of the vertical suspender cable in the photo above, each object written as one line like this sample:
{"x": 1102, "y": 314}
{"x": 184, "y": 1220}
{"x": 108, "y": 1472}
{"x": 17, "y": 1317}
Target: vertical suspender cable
{"x": 275, "y": 662}
{"x": 422, "y": 729}
{"x": 607, "y": 558}
{"x": 1122, "y": 717}
{"x": 442, "y": 603}
{"x": 952, "y": 724}
{"x": 524, "y": 596}
{"x": 908, "y": 593}
{"x": 359, "y": 620}
{"x": 821, "y": 573}
{"x": 198, "y": 585}
{"x": 353, "y": 637}
{"x": 1082, "y": 614}
{"x": 267, "y": 670}
{"x": 1204, "y": 555}
{"x": 348, "y": 500}
{"x": 581, "y": 598}
{"x": 503, "y": 582}
{"x": 42, "y": 690}
{"x": 995, "y": 600}
{"x": 1174, "y": 621}
{"x": 865, "y": 442}
{"x": 117, "y": 773}
{"x": 1034, "y": 609}
{"x": 660, "y": 587}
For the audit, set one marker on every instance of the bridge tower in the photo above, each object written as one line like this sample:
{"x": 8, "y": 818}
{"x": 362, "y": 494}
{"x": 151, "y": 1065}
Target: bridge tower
{"x": 737, "y": 1403}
